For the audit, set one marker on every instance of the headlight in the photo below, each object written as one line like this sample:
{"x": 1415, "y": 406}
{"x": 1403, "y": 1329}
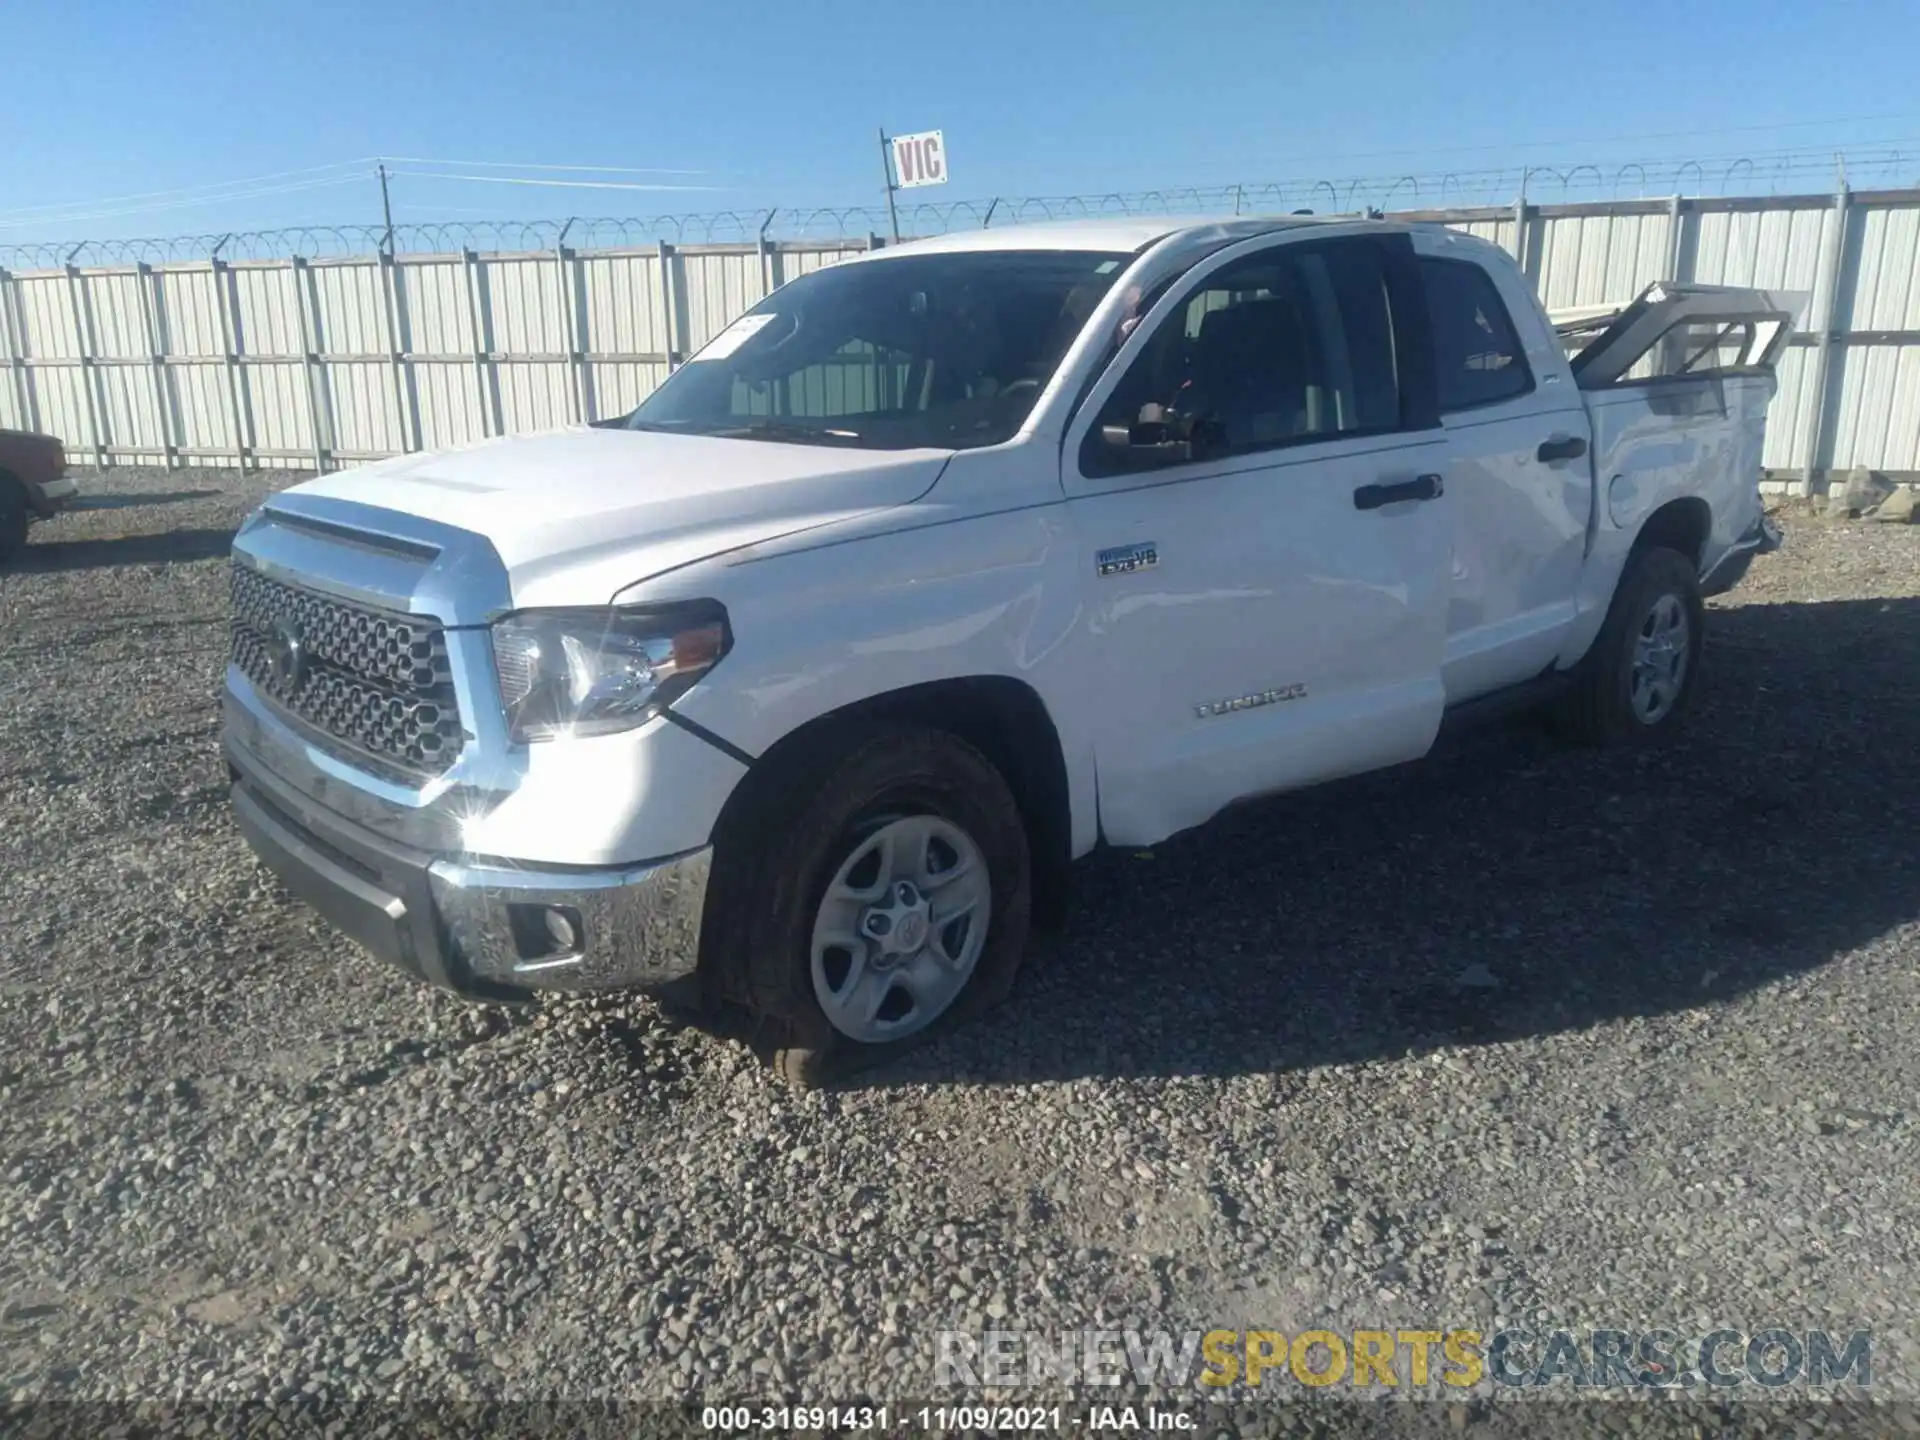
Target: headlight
{"x": 592, "y": 672}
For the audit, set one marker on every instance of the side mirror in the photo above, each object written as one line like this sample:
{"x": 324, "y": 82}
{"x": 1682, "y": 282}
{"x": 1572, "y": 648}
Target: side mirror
{"x": 1144, "y": 443}
{"x": 1159, "y": 439}
{"x": 1141, "y": 435}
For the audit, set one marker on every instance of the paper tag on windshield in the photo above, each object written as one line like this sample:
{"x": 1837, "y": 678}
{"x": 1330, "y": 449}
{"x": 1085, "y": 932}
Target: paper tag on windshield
{"x": 734, "y": 336}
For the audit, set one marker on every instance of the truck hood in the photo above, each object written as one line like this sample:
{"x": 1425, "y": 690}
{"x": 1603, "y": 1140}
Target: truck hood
{"x": 577, "y": 515}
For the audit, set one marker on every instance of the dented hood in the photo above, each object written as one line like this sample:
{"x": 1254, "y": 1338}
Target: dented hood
{"x": 576, "y": 515}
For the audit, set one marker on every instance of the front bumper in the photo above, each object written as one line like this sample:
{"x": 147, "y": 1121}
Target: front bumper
{"x": 1763, "y": 537}
{"x": 477, "y": 927}
{"x": 56, "y": 495}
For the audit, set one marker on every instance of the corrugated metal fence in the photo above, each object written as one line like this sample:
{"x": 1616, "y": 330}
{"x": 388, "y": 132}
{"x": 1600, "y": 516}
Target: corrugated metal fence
{"x": 309, "y": 364}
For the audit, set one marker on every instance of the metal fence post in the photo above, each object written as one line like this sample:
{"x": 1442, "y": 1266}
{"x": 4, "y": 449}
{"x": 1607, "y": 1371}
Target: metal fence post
{"x": 583, "y": 340}
{"x": 572, "y": 330}
{"x": 1676, "y": 236}
{"x": 147, "y": 282}
{"x": 469, "y": 270}
{"x": 668, "y": 292}
{"x": 1827, "y": 338}
{"x": 765, "y": 246}
{"x": 1520, "y": 222}
{"x": 29, "y": 391}
{"x": 89, "y": 376}
{"x": 406, "y": 412}
{"x": 229, "y": 356}
{"x": 309, "y": 364}
{"x": 14, "y": 353}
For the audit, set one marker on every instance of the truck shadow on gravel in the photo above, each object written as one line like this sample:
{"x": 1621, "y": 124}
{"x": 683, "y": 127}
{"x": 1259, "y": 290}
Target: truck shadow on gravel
{"x": 138, "y": 500}
{"x": 170, "y": 548}
{"x": 1511, "y": 886}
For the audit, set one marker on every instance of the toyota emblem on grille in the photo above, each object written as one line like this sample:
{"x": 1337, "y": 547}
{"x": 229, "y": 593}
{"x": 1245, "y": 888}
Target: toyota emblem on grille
{"x": 288, "y": 654}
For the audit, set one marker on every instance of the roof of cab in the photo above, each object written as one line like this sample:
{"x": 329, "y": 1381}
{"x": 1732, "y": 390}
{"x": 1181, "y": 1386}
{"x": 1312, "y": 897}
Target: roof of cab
{"x": 1124, "y": 234}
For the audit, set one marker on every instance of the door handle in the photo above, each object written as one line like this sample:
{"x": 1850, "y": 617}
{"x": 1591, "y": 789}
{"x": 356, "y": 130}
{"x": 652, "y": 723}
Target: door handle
{"x": 1561, "y": 447}
{"x": 1421, "y": 487}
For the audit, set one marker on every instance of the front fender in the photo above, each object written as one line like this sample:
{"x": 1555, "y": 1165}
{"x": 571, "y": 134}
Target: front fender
{"x": 949, "y": 598}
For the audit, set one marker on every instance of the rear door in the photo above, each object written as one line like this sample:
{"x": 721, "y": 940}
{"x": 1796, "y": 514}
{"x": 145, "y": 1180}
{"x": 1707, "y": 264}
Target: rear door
{"x": 1266, "y": 598}
{"x": 1519, "y": 469}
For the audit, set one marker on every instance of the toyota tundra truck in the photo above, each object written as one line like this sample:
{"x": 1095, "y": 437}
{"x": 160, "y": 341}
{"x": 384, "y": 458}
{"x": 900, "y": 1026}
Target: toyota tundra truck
{"x": 797, "y": 690}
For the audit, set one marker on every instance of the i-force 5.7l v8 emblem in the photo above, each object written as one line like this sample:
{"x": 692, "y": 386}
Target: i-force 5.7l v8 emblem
{"x": 1248, "y": 702}
{"x": 1125, "y": 559}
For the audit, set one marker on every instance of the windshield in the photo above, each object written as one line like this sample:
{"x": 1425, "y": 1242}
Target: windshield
{"x": 947, "y": 351}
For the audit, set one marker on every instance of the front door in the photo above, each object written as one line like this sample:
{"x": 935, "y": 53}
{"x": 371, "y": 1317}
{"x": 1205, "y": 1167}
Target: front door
{"x": 1254, "y": 486}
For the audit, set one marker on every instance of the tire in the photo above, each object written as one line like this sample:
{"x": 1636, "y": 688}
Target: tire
{"x": 13, "y": 517}
{"x": 1633, "y": 687}
{"x": 867, "y": 804}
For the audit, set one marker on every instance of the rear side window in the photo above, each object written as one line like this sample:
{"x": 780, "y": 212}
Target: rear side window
{"x": 1475, "y": 351}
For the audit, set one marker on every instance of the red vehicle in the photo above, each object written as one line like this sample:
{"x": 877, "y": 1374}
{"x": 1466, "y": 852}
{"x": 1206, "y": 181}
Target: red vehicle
{"x": 33, "y": 484}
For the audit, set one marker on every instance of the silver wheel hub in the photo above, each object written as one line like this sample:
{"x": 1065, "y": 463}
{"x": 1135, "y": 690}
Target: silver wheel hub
{"x": 901, "y": 928}
{"x": 1662, "y": 651}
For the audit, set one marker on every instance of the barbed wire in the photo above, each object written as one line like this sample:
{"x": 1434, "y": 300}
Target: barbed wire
{"x": 1770, "y": 173}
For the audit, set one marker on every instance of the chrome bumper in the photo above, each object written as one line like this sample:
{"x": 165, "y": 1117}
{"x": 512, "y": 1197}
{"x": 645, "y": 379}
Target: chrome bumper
{"x": 637, "y": 927}
{"x": 480, "y": 928}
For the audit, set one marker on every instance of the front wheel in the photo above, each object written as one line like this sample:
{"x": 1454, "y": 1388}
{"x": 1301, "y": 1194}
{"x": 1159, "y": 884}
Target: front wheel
{"x": 886, "y": 890}
{"x": 900, "y": 928}
{"x": 1637, "y": 681}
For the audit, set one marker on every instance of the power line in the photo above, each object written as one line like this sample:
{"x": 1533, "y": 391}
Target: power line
{"x": 1779, "y": 170}
{"x": 121, "y": 212}
{"x": 101, "y": 208}
{"x": 527, "y": 165}
{"x": 181, "y": 197}
{"x": 559, "y": 184}
{"x": 186, "y": 190}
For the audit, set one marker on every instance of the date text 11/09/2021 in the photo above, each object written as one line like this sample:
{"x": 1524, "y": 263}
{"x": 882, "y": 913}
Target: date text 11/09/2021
{"x": 944, "y": 1418}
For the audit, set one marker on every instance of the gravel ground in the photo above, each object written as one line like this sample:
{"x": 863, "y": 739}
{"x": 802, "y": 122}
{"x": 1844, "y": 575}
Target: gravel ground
{"x": 1516, "y": 1034}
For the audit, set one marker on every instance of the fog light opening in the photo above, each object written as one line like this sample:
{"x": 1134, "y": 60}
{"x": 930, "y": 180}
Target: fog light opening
{"x": 547, "y": 933}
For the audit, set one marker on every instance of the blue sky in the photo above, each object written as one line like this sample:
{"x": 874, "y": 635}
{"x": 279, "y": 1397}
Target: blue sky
{"x": 779, "y": 104}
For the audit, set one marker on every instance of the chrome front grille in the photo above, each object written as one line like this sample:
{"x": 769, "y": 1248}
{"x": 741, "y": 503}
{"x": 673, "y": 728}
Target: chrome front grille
{"x": 378, "y": 682}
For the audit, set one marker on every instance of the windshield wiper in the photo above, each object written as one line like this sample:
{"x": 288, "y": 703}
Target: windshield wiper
{"x": 786, "y": 430}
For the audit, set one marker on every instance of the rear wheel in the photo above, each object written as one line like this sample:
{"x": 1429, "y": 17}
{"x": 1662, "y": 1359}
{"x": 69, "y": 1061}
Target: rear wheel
{"x": 1637, "y": 682}
{"x": 885, "y": 892}
{"x": 13, "y": 516}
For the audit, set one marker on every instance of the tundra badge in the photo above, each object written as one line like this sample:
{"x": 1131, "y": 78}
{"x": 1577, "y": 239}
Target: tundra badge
{"x": 1125, "y": 559}
{"x": 1248, "y": 702}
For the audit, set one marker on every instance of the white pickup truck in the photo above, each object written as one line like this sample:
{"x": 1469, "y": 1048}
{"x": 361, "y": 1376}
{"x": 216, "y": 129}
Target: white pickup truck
{"x": 802, "y": 685}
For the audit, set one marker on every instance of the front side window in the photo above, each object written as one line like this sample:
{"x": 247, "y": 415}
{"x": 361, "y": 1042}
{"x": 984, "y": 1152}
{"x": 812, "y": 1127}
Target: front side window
{"x": 1288, "y": 345}
{"x": 1476, "y": 354}
{"x": 945, "y": 351}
